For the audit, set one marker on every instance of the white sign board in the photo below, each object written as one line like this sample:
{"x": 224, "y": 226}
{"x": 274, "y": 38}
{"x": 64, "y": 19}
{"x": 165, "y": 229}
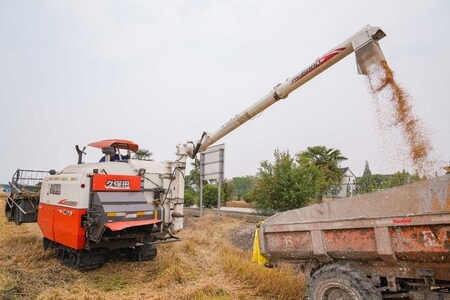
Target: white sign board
{"x": 211, "y": 162}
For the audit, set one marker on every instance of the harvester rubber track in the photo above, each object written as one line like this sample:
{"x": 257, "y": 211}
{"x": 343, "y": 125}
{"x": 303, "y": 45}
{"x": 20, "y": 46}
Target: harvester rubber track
{"x": 141, "y": 253}
{"x": 78, "y": 259}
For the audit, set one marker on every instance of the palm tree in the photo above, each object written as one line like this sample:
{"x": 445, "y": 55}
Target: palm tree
{"x": 327, "y": 160}
{"x": 143, "y": 154}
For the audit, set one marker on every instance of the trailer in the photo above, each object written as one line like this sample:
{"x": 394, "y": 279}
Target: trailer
{"x": 393, "y": 243}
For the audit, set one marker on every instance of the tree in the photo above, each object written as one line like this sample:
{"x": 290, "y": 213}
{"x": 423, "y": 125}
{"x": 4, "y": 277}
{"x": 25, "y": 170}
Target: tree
{"x": 401, "y": 178}
{"x": 191, "y": 188}
{"x": 285, "y": 184}
{"x": 193, "y": 179}
{"x": 226, "y": 191}
{"x": 327, "y": 160}
{"x": 242, "y": 186}
{"x": 143, "y": 154}
{"x": 374, "y": 182}
{"x": 367, "y": 171}
{"x": 210, "y": 194}
{"x": 190, "y": 196}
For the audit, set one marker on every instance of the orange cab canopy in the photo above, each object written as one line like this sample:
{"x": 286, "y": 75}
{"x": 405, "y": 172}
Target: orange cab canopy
{"x": 120, "y": 144}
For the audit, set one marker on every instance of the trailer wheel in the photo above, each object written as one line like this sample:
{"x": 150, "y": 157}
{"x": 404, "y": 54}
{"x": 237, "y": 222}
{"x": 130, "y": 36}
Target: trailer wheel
{"x": 338, "y": 282}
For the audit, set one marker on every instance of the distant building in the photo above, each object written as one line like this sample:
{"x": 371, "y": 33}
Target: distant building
{"x": 348, "y": 185}
{"x": 347, "y": 188}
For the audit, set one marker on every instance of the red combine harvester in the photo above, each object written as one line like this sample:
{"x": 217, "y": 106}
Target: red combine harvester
{"x": 87, "y": 210}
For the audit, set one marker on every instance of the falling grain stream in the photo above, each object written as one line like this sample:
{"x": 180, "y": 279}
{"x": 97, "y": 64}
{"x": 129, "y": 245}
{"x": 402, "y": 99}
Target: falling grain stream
{"x": 383, "y": 84}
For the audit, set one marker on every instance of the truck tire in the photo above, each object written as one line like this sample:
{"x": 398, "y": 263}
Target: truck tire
{"x": 335, "y": 281}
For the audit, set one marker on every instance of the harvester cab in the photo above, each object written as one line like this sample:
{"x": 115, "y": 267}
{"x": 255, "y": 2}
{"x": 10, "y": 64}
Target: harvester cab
{"x": 112, "y": 149}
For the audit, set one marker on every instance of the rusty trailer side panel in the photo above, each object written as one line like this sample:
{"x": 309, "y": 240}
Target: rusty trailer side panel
{"x": 387, "y": 231}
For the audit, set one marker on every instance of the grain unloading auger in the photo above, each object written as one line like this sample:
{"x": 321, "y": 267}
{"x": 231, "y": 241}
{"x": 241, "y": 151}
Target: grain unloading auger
{"x": 367, "y": 51}
{"x": 120, "y": 203}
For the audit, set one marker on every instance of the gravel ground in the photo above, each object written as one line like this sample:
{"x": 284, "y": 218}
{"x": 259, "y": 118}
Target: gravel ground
{"x": 242, "y": 237}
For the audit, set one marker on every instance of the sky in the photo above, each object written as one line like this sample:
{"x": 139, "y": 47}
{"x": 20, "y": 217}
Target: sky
{"x": 160, "y": 73}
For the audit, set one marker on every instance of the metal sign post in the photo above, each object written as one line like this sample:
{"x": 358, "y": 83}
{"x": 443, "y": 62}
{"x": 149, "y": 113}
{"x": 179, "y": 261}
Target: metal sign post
{"x": 202, "y": 172}
{"x": 212, "y": 168}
